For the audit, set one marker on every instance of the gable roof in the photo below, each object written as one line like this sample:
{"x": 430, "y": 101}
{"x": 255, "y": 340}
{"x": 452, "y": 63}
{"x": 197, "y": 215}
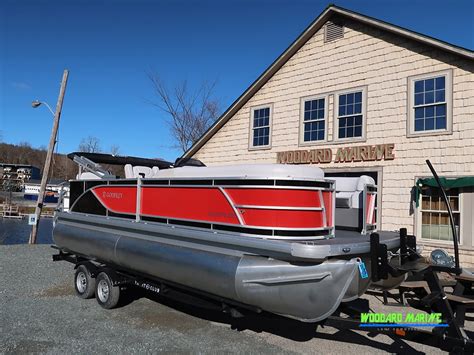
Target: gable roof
{"x": 315, "y": 26}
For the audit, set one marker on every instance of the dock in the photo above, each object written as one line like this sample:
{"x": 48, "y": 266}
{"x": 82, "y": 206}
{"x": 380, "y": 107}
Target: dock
{"x": 12, "y": 211}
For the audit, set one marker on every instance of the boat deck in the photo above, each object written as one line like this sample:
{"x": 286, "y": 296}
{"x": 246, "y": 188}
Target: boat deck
{"x": 344, "y": 236}
{"x": 346, "y": 242}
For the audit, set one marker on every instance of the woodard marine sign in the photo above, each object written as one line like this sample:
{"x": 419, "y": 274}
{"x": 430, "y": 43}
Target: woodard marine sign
{"x": 341, "y": 155}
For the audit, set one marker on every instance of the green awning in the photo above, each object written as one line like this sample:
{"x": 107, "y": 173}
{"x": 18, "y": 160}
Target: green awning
{"x": 447, "y": 183}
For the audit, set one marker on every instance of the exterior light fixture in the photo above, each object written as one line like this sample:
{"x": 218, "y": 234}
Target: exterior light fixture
{"x": 37, "y": 103}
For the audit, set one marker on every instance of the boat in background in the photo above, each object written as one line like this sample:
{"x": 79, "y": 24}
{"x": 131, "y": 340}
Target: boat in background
{"x": 31, "y": 190}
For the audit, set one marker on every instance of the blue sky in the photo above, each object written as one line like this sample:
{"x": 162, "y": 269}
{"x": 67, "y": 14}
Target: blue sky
{"x": 109, "y": 45}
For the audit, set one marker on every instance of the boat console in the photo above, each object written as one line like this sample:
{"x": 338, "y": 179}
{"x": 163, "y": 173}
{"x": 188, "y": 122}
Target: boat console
{"x": 356, "y": 199}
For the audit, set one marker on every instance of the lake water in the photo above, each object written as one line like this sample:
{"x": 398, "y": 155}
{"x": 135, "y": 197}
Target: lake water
{"x": 18, "y": 231}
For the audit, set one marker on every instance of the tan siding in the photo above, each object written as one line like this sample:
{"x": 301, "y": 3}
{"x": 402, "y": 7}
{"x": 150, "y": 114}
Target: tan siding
{"x": 382, "y": 62}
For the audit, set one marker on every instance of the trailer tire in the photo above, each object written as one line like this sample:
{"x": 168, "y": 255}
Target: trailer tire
{"x": 106, "y": 294}
{"x": 84, "y": 283}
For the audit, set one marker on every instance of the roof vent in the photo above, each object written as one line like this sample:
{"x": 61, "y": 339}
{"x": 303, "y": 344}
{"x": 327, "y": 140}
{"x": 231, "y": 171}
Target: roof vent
{"x": 333, "y": 31}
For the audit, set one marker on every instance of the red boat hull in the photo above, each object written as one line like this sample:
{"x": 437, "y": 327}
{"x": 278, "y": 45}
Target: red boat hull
{"x": 272, "y": 207}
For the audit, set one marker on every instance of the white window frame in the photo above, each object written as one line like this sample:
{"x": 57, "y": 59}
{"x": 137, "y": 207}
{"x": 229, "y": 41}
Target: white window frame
{"x": 302, "y": 121}
{"x": 335, "y": 135}
{"x": 251, "y": 131}
{"x": 448, "y": 74}
{"x": 419, "y": 222}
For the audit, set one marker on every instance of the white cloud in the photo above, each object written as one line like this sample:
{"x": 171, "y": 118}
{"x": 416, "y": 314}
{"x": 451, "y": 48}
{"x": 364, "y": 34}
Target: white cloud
{"x": 21, "y": 85}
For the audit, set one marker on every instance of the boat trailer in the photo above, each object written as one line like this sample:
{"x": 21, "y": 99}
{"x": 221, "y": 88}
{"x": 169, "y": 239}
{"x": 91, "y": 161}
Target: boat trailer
{"x": 451, "y": 338}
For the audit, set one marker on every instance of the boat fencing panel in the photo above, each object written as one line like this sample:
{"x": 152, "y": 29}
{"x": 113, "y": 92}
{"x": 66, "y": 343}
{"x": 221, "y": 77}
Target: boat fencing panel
{"x": 280, "y": 208}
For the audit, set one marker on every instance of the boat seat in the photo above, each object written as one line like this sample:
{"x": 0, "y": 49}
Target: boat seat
{"x": 142, "y": 171}
{"x": 245, "y": 171}
{"x": 349, "y": 190}
{"x": 132, "y": 172}
{"x": 128, "y": 169}
{"x": 344, "y": 199}
{"x": 353, "y": 183}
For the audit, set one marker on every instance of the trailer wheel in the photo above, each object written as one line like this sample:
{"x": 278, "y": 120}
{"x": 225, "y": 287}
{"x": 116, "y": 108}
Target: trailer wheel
{"x": 106, "y": 293}
{"x": 84, "y": 283}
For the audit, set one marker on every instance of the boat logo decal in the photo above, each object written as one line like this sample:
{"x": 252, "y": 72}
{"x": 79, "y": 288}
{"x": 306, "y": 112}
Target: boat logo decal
{"x": 108, "y": 194}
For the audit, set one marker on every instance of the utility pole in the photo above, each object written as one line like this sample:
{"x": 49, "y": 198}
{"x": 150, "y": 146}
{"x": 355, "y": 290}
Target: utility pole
{"x": 49, "y": 157}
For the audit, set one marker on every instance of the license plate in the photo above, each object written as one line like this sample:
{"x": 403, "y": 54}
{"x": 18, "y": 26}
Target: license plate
{"x": 363, "y": 270}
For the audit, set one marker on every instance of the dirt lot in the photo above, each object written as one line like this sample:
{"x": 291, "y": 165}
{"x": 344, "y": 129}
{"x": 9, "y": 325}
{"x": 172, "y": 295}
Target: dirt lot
{"x": 39, "y": 313}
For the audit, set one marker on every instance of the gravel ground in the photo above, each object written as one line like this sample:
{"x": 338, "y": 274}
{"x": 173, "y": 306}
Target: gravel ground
{"x": 39, "y": 313}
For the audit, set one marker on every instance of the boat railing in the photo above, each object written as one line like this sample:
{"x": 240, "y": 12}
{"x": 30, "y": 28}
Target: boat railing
{"x": 63, "y": 199}
{"x": 250, "y": 215}
{"x": 369, "y": 209}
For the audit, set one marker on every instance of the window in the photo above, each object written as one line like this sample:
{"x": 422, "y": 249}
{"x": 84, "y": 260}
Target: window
{"x": 429, "y": 103}
{"x": 314, "y": 119}
{"x": 261, "y": 127}
{"x": 350, "y": 115}
{"x": 435, "y": 223}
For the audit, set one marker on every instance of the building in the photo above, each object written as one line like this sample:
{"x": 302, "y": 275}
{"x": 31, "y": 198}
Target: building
{"x": 13, "y": 176}
{"x": 356, "y": 95}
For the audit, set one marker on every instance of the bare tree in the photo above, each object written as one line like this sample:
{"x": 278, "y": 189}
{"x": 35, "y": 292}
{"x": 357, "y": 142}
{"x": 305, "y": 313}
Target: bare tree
{"x": 115, "y": 149}
{"x": 190, "y": 112}
{"x": 90, "y": 145}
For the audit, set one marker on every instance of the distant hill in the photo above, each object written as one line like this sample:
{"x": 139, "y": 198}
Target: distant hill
{"x": 63, "y": 168}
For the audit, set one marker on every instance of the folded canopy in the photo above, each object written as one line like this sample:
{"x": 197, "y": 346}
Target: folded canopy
{"x": 101, "y": 158}
{"x": 447, "y": 183}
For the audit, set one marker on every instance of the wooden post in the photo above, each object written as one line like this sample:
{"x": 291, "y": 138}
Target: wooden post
{"x": 49, "y": 157}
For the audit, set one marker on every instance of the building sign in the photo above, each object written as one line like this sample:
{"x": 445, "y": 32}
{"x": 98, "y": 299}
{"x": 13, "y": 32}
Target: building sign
{"x": 341, "y": 155}
{"x": 31, "y": 219}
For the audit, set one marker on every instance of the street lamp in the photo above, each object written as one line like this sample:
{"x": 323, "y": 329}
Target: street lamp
{"x": 49, "y": 154}
{"x": 38, "y": 103}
